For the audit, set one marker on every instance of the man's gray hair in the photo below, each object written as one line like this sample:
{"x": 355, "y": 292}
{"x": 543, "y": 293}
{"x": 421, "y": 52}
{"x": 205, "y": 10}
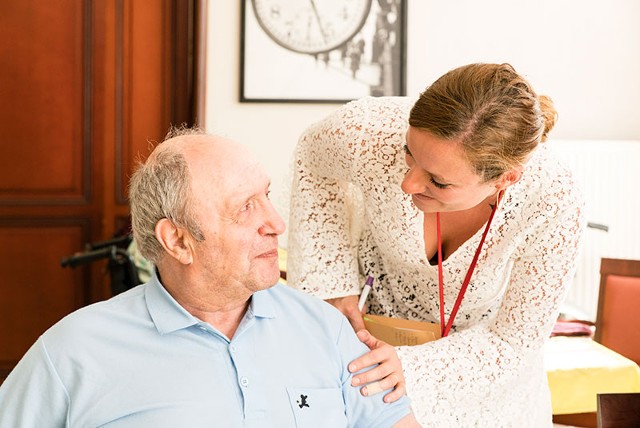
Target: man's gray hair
{"x": 160, "y": 188}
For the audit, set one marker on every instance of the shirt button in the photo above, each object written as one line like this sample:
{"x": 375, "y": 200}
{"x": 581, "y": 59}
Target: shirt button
{"x": 244, "y": 381}
{"x": 232, "y": 348}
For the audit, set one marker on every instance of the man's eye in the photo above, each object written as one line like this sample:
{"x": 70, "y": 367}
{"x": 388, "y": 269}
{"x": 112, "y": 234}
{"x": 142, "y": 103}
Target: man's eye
{"x": 247, "y": 206}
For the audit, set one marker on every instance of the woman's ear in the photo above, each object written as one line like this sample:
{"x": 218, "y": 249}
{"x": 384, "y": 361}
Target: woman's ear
{"x": 174, "y": 240}
{"x": 510, "y": 177}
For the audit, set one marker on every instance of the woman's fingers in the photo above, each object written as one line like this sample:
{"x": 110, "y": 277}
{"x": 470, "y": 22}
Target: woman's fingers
{"x": 386, "y": 373}
{"x": 398, "y": 391}
{"x": 391, "y": 382}
{"x": 367, "y": 338}
{"x": 379, "y": 372}
{"x": 355, "y": 319}
{"x": 380, "y": 352}
{"x": 373, "y": 388}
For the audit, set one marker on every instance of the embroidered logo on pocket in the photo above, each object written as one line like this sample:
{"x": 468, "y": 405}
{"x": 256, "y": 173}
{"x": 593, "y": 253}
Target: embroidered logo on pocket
{"x": 302, "y": 402}
{"x": 317, "y": 407}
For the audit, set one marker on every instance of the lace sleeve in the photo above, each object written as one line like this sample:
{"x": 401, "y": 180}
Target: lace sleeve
{"x": 470, "y": 365}
{"x": 326, "y": 207}
{"x": 319, "y": 252}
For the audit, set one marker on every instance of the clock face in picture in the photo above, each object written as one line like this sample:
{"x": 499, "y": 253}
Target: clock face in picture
{"x": 311, "y": 26}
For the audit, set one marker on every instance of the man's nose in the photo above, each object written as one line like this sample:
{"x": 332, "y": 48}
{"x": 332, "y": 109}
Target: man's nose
{"x": 273, "y": 224}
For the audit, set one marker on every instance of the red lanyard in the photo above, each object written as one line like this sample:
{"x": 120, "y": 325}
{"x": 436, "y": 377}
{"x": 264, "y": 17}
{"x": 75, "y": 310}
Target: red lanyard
{"x": 445, "y": 329}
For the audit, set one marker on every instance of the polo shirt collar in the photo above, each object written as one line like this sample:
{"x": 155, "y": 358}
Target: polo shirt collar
{"x": 168, "y": 316}
{"x": 262, "y": 303}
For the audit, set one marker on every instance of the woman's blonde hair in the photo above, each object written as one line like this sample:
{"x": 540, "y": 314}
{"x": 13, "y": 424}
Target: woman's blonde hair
{"x": 492, "y": 110}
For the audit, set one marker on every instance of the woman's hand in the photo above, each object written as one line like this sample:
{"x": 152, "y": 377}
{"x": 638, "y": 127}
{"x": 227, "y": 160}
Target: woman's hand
{"x": 349, "y": 307}
{"x": 388, "y": 374}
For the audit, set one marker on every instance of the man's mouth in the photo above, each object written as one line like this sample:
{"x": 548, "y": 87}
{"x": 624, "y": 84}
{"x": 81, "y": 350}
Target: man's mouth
{"x": 270, "y": 253}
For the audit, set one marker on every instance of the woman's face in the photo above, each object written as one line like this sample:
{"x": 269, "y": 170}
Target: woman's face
{"x": 440, "y": 178}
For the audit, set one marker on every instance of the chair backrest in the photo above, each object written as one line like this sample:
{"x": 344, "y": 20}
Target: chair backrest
{"x": 620, "y": 410}
{"x": 617, "y": 322}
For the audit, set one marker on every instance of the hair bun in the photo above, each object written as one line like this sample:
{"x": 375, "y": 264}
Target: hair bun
{"x": 549, "y": 114}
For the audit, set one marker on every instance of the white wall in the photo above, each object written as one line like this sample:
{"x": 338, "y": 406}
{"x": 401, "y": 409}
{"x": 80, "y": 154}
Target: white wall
{"x": 608, "y": 172}
{"x": 585, "y": 54}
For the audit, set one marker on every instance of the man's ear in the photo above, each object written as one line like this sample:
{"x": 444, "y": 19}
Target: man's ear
{"x": 174, "y": 240}
{"x": 510, "y": 177}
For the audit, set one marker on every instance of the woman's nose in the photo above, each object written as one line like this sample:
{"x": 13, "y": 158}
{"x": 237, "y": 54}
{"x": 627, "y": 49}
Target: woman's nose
{"x": 413, "y": 182}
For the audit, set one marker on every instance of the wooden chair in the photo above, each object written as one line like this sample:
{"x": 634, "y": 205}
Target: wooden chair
{"x": 619, "y": 410}
{"x": 618, "y": 302}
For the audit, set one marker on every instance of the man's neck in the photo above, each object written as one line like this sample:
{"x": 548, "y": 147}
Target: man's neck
{"x": 223, "y": 312}
{"x": 224, "y": 320}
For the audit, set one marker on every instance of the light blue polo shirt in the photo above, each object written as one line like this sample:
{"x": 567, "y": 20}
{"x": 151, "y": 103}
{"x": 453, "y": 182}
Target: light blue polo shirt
{"x": 141, "y": 360}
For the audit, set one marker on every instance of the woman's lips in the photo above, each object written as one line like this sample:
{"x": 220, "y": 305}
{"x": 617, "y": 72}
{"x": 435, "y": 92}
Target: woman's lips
{"x": 422, "y": 197}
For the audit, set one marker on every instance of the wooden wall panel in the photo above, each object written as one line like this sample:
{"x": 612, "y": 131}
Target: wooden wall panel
{"x": 31, "y": 251}
{"x": 146, "y": 84}
{"x": 47, "y": 174}
{"x": 41, "y": 103}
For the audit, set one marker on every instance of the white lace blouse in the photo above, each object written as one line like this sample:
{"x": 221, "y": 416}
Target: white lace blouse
{"x": 349, "y": 218}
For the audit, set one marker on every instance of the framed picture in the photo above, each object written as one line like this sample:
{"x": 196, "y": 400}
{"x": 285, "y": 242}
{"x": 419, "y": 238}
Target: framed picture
{"x": 330, "y": 51}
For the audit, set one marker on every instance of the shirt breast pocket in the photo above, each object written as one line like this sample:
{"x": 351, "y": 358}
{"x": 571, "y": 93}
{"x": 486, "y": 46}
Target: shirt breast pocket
{"x": 317, "y": 407}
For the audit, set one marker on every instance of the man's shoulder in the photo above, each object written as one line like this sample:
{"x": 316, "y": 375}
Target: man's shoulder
{"x": 287, "y": 299}
{"x": 282, "y": 292}
{"x": 97, "y": 318}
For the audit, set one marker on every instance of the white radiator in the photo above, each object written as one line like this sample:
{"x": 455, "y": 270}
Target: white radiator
{"x": 609, "y": 173}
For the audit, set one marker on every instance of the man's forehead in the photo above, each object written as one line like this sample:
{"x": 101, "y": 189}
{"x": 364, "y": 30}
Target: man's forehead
{"x": 246, "y": 181}
{"x": 230, "y": 180}
{"x": 217, "y": 156}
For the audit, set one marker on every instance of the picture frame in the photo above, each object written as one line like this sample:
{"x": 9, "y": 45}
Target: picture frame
{"x": 277, "y": 67}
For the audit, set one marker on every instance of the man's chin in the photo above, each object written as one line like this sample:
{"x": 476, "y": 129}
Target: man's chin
{"x": 268, "y": 281}
{"x": 276, "y": 278}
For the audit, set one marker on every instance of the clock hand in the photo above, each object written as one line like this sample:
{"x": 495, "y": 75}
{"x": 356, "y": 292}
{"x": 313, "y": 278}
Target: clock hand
{"x": 315, "y": 12}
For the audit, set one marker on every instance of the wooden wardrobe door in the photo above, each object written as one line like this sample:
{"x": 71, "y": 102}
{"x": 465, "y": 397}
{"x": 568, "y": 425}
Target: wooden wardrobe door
{"x": 86, "y": 88}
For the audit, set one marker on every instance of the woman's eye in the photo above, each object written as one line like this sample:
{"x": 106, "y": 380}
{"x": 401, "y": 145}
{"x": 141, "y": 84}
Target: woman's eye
{"x": 439, "y": 185}
{"x": 408, "y": 160}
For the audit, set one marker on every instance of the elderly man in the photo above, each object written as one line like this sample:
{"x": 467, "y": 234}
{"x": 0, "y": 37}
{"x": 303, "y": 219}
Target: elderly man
{"x": 209, "y": 340}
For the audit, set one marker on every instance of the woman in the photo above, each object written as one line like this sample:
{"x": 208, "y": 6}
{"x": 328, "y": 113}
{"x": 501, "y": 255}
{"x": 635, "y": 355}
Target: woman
{"x": 371, "y": 191}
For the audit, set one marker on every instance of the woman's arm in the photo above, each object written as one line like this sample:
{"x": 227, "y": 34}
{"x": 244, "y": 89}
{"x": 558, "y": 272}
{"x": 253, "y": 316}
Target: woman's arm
{"x": 349, "y": 307}
{"x": 337, "y": 161}
{"x": 321, "y": 260}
